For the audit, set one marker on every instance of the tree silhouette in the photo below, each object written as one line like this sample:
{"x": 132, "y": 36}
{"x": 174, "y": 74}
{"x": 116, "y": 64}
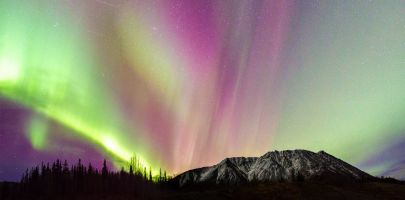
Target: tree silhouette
{"x": 104, "y": 170}
{"x": 150, "y": 174}
{"x": 61, "y": 182}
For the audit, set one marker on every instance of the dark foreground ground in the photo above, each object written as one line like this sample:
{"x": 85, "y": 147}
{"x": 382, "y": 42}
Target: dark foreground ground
{"x": 298, "y": 190}
{"x": 306, "y": 190}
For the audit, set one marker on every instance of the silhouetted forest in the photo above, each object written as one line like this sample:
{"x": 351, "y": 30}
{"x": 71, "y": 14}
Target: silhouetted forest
{"x": 60, "y": 180}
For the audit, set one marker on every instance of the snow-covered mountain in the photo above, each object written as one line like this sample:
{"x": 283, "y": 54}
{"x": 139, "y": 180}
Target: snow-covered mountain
{"x": 287, "y": 165}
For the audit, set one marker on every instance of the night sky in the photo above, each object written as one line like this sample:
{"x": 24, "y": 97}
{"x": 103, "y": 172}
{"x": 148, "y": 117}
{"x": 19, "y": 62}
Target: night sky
{"x": 184, "y": 84}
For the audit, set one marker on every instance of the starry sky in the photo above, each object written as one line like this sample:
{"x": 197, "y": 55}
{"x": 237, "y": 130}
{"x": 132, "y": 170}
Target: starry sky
{"x": 184, "y": 84}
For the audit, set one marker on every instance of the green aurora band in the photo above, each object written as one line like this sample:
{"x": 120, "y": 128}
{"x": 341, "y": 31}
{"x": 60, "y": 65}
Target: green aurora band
{"x": 51, "y": 70}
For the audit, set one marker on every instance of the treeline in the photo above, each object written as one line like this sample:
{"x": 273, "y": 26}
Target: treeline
{"x": 59, "y": 180}
{"x": 387, "y": 179}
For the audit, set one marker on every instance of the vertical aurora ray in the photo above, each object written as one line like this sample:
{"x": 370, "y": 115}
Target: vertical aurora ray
{"x": 184, "y": 84}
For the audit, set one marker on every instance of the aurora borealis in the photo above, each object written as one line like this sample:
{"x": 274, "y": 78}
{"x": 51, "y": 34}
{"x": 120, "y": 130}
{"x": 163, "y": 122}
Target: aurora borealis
{"x": 183, "y": 84}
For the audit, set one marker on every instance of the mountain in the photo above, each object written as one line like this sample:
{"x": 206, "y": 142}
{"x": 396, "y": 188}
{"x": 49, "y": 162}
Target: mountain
{"x": 290, "y": 165}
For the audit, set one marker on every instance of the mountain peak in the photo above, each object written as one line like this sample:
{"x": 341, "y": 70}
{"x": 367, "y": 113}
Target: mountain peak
{"x": 274, "y": 166}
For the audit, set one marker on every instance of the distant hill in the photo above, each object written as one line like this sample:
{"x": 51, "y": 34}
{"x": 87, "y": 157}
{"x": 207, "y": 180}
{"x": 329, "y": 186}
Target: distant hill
{"x": 290, "y": 166}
